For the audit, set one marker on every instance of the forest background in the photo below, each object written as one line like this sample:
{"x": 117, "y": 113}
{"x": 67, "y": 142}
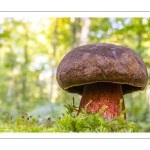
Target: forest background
{"x": 31, "y": 49}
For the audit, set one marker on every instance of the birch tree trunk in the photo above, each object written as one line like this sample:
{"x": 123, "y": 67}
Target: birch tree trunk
{"x": 85, "y": 30}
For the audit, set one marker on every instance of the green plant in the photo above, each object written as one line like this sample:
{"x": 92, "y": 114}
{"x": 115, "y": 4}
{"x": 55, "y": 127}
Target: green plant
{"x": 71, "y": 121}
{"x": 91, "y": 122}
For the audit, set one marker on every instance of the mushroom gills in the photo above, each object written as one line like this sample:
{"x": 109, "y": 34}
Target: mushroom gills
{"x": 100, "y": 94}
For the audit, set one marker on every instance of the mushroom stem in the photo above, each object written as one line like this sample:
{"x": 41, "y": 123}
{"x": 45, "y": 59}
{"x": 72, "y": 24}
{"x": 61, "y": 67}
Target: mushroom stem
{"x": 100, "y": 94}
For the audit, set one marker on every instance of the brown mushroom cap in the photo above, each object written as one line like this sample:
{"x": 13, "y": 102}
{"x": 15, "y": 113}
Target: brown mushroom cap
{"x": 102, "y": 63}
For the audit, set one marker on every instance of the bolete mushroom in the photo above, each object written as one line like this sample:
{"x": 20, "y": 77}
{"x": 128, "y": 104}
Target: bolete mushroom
{"x": 102, "y": 74}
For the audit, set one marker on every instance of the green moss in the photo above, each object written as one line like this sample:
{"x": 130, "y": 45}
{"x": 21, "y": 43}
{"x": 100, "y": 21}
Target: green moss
{"x": 91, "y": 122}
{"x": 70, "y": 122}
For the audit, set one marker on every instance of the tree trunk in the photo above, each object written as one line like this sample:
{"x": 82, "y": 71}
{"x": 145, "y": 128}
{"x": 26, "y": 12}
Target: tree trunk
{"x": 25, "y": 65}
{"x": 53, "y": 63}
{"x": 75, "y": 32}
{"x": 84, "y": 38}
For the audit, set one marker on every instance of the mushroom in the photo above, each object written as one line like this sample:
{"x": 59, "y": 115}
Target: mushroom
{"x": 102, "y": 74}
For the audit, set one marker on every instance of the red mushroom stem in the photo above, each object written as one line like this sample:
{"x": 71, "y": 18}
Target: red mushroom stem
{"x": 100, "y": 94}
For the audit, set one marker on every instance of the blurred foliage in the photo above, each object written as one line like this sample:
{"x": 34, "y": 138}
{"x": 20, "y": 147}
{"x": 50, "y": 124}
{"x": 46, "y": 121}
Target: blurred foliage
{"x": 31, "y": 49}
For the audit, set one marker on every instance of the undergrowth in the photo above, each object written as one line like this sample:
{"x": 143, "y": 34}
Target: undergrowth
{"x": 70, "y": 122}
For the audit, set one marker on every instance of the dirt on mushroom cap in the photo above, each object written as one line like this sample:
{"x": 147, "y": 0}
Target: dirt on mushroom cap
{"x": 102, "y": 63}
